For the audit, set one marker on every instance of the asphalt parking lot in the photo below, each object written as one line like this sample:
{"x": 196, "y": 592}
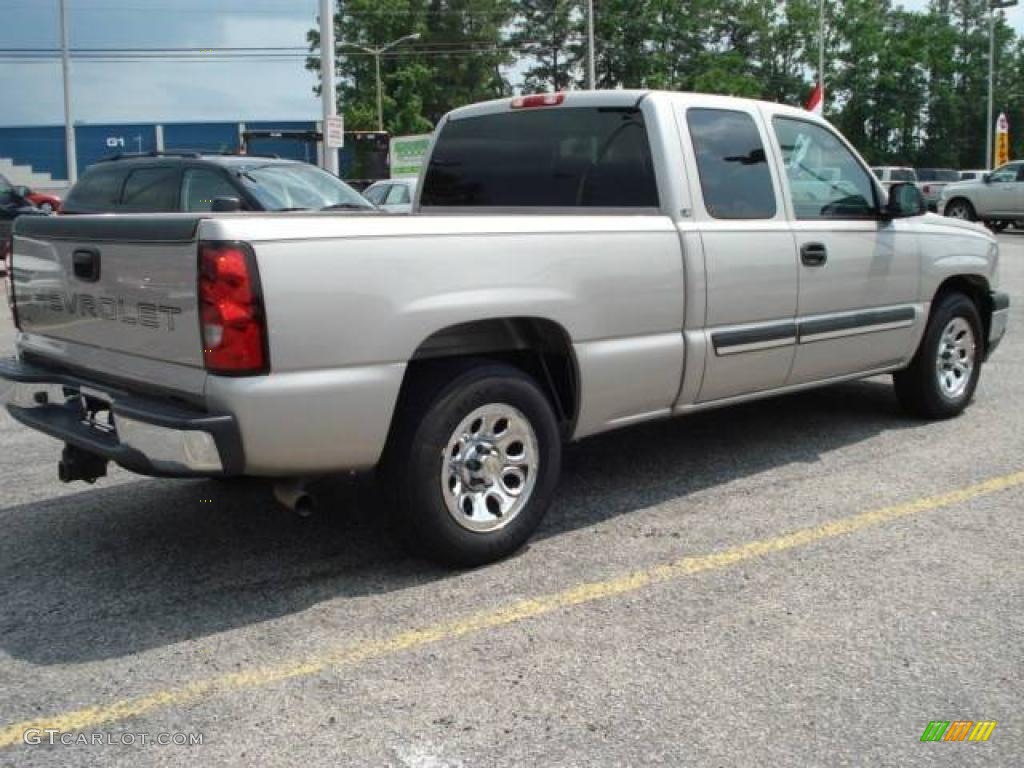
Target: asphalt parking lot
{"x": 807, "y": 581}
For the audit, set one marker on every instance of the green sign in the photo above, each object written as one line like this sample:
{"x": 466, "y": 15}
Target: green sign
{"x": 408, "y": 154}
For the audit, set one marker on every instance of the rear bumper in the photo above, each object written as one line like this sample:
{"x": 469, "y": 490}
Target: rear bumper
{"x": 1000, "y": 317}
{"x": 144, "y": 435}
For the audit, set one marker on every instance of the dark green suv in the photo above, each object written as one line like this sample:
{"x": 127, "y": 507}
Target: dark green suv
{"x": 168, "y": 182}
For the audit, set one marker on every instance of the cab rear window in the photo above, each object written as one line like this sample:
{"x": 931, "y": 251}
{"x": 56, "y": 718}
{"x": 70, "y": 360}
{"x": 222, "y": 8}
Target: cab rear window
{"x": 563, "y": 157}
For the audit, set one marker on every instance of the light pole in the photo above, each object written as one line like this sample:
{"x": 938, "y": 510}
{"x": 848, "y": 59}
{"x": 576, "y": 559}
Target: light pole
{"x": 329, "y": 103}
{"x": 70, "y": 149}
{"x": 376, "y": 52}
{"x": 993, "y": 6}
{"x": 591, "y": 77}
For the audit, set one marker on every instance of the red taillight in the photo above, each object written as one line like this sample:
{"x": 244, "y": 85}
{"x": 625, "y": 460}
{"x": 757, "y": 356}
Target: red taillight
{"x": 538, "y": 100}
{"x": 231, "y": 310}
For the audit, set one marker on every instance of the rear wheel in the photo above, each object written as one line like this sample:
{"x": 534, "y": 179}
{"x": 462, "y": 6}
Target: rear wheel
{"x": 961, "y": 209}
{"x": 941, "y": 379}
{"x": 472, "y": 465}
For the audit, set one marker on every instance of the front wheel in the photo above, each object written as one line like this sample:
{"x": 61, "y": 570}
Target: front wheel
{"x": 473, "y": 465}
{"x": 961, "y": 209}
{"x": 940, "y": 381}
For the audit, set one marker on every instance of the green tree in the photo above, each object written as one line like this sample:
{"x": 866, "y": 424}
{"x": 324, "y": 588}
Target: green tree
{"x": 457, "y": 59}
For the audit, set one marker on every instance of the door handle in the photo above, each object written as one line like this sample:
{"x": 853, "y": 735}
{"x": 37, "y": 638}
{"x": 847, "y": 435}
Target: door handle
{"x": 813, "y": 254}
{"x": 86, "y": 264}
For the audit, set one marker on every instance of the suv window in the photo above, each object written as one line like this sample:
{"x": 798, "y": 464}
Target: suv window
{"x": 902, "y": 174}
{"x": 557, "y": 157}
{"x": 1006, "y": 173}
{"x": 377, "y": 194}
{"x": 98, "y": 190}
{"x": 825, "y": 179}
{"x": 201, "y": 187}
{"x": 151, "y": 189}
{"x": 732, "y": 164}
{"x": 397, "y": 195}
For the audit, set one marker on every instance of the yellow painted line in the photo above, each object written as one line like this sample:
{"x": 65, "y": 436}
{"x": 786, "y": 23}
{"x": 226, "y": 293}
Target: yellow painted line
{"x": 92, "y": 717}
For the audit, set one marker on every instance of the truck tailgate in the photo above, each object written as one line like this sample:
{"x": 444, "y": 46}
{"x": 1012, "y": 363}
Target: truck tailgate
{"x": 110, "y": 294}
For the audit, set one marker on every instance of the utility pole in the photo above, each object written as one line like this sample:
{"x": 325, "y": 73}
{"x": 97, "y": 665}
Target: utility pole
{"x": 993, "y": 6}
{"x": 70, "y": 150}
{"x": 376, "y": 52}
{"x": 821, "y": 53}
{"x": 591, "y": 75}
{"x": 327, "y": 92}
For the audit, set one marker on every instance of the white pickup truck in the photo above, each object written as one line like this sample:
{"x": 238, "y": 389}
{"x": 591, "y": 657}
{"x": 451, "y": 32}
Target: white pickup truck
{"x": 576, "y": 263}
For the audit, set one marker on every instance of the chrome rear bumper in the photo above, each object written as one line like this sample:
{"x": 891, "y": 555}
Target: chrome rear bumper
{"x": 147, "y": 435}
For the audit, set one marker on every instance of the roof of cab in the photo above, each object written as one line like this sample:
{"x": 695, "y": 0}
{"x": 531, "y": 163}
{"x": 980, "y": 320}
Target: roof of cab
{"x": 627, "y": 98}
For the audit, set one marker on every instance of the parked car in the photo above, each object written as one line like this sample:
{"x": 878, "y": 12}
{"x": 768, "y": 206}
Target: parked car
{"x": 12, "y": 205}
{"x": 996, "y": 199}
{"x": 971, "y": 175}
{"x": 392, "y": 195}
{"x": 41, "y": 200}
{"x": 159, "y": 182}
{"x": 894, "y": 174}
{"x": 586, "y": 261}
{"x": 931, "y": 182}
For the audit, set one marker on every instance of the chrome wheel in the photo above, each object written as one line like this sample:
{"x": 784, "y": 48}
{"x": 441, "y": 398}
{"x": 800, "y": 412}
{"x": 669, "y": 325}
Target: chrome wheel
{"x": 955, "y": 362}
{"x": 959, "y": 211}
{"x": 489, "y": 467}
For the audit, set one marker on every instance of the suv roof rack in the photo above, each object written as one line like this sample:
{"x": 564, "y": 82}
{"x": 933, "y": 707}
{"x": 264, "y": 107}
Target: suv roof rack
{"x": 193, "y": 153}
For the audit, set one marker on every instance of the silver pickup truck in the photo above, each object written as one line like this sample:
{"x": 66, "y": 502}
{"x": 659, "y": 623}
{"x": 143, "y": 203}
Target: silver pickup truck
{"x": 576, "y": 263}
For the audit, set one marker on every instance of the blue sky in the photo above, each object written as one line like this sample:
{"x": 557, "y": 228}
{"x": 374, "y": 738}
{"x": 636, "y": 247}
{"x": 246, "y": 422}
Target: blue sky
{"x": 30, "y": 92}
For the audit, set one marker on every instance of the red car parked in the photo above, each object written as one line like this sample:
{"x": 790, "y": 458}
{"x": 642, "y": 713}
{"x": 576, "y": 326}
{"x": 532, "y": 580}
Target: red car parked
{"x": 42, "y": 200}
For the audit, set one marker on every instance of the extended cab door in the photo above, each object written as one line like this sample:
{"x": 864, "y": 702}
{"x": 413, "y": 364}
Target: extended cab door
{"x": 858, "y": 272}
{"x": 749, "y": 252}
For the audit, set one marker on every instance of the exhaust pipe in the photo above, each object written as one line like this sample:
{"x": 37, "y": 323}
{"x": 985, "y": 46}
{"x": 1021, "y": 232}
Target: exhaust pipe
{"x": 294, "y": 495}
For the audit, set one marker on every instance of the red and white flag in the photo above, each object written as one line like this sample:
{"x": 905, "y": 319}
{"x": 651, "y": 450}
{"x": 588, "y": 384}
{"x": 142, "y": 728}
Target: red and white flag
{"x": 816, "y": 102}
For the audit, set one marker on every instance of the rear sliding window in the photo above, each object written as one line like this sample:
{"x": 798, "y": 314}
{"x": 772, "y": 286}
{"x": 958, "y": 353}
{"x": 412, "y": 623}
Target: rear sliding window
{"x": 572, "y": 157}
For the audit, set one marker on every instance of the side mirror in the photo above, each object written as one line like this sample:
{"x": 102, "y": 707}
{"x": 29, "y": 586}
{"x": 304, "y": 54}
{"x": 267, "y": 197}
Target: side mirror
{"x": 986, "y": 178}
{"x": 905, "y": 200}
{"x": 226, "y": 204}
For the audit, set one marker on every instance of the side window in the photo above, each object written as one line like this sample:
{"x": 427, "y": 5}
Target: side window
{"x": 201, "y": 187}
{"x": 397, "y": 195}
{"x": 732, "y": 164}
{"x": 825, "y": 179}
{"x": 879, "y": 173}
{"x": 98, "y": 190}
{"x": 1004, "y": 173}
{"x": 151, "y": 189}
{"x": 377, "y": 194}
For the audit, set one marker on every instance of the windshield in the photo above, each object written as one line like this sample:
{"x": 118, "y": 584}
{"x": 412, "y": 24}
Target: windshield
{"x": 286, "y": 185}
{"x": 7, "y": 196}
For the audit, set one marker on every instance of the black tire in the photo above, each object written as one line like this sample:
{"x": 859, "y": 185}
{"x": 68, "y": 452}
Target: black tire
{"x": 997, "y": 226}
{"x": 959, "y": 208}
{"x": 918, "y": 387}
{"x": 412, "y": 467}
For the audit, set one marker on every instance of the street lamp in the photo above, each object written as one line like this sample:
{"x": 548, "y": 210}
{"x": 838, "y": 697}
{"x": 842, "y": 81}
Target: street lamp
{"x": 993, "y": 6}
{"x": 376, "y": 52}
